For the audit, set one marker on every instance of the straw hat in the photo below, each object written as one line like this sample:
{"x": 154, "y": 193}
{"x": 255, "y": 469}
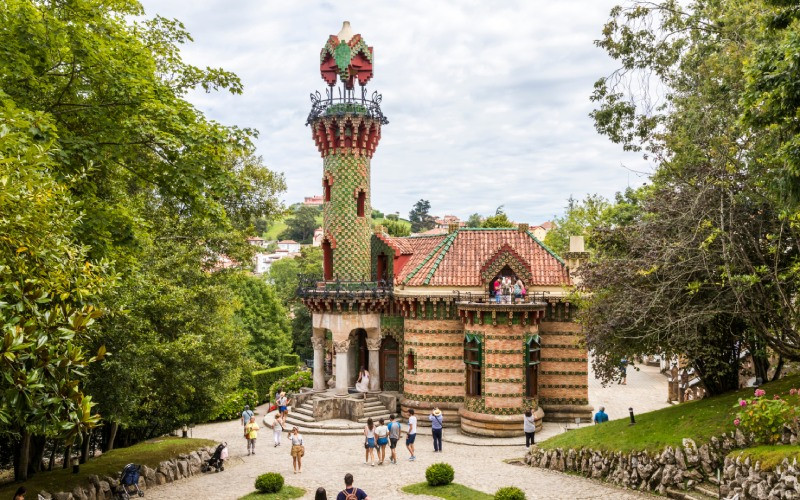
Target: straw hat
{"x": 437, "y": 412}
{"x": 283, "y": 394}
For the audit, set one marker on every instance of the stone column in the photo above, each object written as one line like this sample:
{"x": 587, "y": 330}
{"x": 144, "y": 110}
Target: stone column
{"x": 374, "y": 347}
{"x": 319, "y": 363}
{"x": 342, "y": 367}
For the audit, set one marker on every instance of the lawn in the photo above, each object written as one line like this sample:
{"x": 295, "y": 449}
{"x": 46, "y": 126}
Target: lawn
{"x": 769, "y": 456}
{"x": 148, "y": 453}
{"x": 286, "y": 493}
{"x": 450, "y": 491}
{"x": 700, "y": 420}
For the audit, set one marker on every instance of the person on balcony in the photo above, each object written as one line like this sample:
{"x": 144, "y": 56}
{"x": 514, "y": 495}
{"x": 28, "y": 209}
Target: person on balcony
{"x": 362, "y": 384}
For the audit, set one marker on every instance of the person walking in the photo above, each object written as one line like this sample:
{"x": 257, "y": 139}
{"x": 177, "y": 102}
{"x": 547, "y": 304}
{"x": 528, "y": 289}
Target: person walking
{"x": 529, "y": 426}
{"x": 277, "y": 430}
{"x": 350, "y": 492}
{"x": 412, "y": 434}
{"x": 436, "y": 429}
{"x": 369, "y": 442}
{"x": 251, "y": 434}
{"x": 246, "y": 415}
{"x": 298, "y": 450}
{"x": 283, "y": 406}
{"x": 623, "y": 368}
{"x": 382, "y": 437}
{"x": 395, "y": 432}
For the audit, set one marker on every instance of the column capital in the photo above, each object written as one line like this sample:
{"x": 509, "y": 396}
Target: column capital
{"x": 342, "y": 345}
{"x": 318, "y": 342}
{"x": 373, "y": 344}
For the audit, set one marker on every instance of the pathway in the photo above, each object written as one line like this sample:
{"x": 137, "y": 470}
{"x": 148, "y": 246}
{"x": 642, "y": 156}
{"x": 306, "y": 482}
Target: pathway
{"x": 645, "y": 391}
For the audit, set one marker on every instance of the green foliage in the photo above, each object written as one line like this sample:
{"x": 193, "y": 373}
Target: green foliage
{"x": 770, "y": 457}
{"x": 509, "y": 493}
{"x": 701, "y": 420}
{"x": 302, "y": 224}
{"x": 287, "y": 492}
{"x": 233, "y": 405}
{"x": 271, "y": 482}
{"x": 439, "y": 474}
{"x": 475, "y": 220}
{"x": 498, "y": 220}
{"x": 264, "y": 319}
{"x": 420, "y": 218}
{"x": 291, "y": 359}
{"x": 263, "y": 380}
{"x": 764, "y": 417}
{"x": 452, "y": 491}
{"x": 292, "y": 384}
{"x": 396, "y": 228}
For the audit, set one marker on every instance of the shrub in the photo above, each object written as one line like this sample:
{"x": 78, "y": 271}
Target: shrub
{"x": 439, "y": 474}
{"x": 291, "y": 359}
{"x": 292, "y": 383}
{"x": 263, "y": 379}
{"x": 234, "y": 404}
{"x": 764, "y": 417}
{"x": 509, "y": 493}
{"x": 271, "y": 482}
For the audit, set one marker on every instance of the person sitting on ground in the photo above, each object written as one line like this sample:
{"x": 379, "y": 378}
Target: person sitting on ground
{"x": 601, "y": 416}
{"x": 350, "y": 492}
{"x": 362, "y": 384}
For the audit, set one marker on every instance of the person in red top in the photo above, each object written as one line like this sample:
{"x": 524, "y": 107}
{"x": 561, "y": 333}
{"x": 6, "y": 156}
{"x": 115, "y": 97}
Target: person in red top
{"x": 350, "y": 492}
{"x": 497, "y": 290}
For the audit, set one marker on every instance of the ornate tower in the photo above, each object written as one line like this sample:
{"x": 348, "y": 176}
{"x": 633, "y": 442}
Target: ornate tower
{"x": 346, "y": 127}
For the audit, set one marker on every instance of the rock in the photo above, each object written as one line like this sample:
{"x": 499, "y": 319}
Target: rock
{"x": 104, "y": 490}
{"x": 78, "y": 493}
{"x": 62, "y": 495}
{"x": 45, "y": 495}
{"x": 741, "y": 441}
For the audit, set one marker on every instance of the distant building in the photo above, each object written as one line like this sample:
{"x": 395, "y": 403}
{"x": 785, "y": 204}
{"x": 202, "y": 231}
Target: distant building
{"x": 289, "y": 246}
{"x": 314, "y": 201}
{"x": 258, "y": 242}
{"x": 444, "y": 222}
{"x": 542, "y": 229}
{"x": 263, "y": 261}
{"x": 318, "y": 237}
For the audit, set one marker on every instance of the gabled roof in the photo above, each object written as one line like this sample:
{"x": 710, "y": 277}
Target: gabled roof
{"x": 457, "y": 259}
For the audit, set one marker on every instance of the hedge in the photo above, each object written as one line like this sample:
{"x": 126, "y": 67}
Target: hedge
{"x": 292, "y": 384}
{"x": 291, "y": 359}
{"x": 263, "y": 379}
{"x": 234, "y": 404}
{"x": 271, "y": 482}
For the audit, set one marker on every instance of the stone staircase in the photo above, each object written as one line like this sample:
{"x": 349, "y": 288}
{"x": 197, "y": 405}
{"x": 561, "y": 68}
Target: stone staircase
{"x": 302, "y": 417}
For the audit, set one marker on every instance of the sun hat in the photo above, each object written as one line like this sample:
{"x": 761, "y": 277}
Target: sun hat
{"x": 283, "y": 393}
{"x": 437, "y": 412}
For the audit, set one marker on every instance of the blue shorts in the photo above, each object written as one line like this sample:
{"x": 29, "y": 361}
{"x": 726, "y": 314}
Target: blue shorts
{"x": 281, "y": 409}
{"x": 383, "y": 441}
{"x": 370, "y": 443}
{"x": 410, "y": 438}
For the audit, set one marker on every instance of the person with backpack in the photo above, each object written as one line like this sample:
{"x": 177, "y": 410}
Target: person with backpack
{"x": 436, "y": 429}
{"x": 350, "y": 492}
{"x": 247, "y": 414}
{"x": 395, "y": 432}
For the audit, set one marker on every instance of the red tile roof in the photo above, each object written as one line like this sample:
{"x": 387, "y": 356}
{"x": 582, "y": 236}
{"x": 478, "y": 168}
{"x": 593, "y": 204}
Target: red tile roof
{"x": 456, "y": 259}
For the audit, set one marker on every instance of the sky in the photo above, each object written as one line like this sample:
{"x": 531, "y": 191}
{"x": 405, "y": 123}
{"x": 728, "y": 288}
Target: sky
{"x": 488, "y": 102}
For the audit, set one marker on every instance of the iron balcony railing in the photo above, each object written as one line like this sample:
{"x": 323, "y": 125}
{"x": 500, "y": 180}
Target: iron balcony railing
{"x": 347, "y": 102}
{"x": 313, "y": 286}
{"x": 485, "y": 298}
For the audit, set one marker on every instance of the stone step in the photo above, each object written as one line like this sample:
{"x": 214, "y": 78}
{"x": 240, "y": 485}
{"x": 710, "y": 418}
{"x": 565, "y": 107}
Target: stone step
{"x": 687, "y": 494}
{"x": 708, "y": 489}
{"x": 375, "y": 418}
{"x": 294, "y": 416}
{"x": 304, "y": 411}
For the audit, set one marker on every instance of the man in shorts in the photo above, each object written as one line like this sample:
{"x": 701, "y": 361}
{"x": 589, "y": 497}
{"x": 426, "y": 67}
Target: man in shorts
{"x": 394, "y": 436}
{"x": 412, "y": 434}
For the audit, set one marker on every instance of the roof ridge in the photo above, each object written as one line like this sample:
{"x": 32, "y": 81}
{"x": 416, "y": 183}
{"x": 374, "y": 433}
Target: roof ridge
{"x": 448, "y": 243}
{"x": 425, "y": 261}
{"x": 546, "y": 248}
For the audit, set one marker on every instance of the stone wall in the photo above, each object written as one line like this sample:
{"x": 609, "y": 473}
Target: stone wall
{"x": 743, "y": 478}
{"x": 105, "y": 487}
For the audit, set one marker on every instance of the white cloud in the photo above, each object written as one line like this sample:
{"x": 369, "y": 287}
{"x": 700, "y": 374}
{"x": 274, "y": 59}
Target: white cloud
{"x": 488, "y": 102}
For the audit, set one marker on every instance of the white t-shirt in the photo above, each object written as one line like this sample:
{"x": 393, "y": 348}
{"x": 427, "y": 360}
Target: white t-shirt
{"x": 412, "y": 424}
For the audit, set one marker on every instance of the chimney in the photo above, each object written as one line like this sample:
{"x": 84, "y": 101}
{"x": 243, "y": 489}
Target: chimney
{"x": 576, "y": 256}
{"x": 452, "y": 227}
{"x": 522, "y": 227}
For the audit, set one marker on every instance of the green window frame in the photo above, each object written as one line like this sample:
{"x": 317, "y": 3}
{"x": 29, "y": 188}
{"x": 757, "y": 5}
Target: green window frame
{"x": 533, "y": 350}
{"x": 473, "y": 359}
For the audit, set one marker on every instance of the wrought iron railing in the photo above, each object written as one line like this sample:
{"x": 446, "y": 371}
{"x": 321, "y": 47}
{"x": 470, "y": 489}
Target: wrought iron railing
{"x": 485, "y": 298}
{"x": 347, "y": 102}
{"x": 314, "y": 286}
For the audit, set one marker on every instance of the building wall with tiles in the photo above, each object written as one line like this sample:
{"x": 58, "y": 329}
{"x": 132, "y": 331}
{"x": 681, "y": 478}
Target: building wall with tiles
{"x": 564, "y": 367}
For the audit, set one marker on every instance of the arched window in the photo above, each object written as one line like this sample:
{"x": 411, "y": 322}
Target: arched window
{"x": 326, "y": 189}
{"x": 473, "y": 359}
{"x": 362, "y": 198}
{"x": 411, "y": 362}
{"x": 327, "y": 260}
{"x": 533, "y": 350}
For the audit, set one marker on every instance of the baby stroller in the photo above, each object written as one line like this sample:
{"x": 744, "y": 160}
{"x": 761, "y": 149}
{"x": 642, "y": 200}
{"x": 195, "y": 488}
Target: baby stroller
{"x": 129, "y": 477}
{"x": 217, "y": 460}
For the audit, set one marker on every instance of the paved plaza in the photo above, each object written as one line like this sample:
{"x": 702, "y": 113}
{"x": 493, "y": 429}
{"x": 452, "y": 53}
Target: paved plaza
{"x": 328, "y": 458}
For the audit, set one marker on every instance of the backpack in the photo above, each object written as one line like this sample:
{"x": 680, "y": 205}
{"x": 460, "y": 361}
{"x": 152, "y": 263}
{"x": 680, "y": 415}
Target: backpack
{"x": 352, "y": 495}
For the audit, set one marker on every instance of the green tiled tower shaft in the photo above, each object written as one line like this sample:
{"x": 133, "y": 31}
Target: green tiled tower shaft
{"x": 348, "y": 174}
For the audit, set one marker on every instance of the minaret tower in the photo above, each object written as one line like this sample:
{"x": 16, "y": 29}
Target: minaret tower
{"x": 346, "y": 127}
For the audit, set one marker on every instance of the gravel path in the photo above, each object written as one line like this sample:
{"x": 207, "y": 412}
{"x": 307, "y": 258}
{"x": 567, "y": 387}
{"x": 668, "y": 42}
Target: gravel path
{"x": 328, "y": 458}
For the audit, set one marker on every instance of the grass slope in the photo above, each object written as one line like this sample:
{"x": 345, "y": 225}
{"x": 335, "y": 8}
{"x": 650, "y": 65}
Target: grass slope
{"x": 700, "y": 420}
{"x": 286, "y": 493}
{"x": 148, "y": 453}
{"x": 769, "y": 456}
{"x": 450, "y": 491}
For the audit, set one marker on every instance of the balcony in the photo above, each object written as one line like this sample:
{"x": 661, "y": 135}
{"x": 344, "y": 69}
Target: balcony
{"x": 326, "y": 296}
{"x": 347, "y": 103}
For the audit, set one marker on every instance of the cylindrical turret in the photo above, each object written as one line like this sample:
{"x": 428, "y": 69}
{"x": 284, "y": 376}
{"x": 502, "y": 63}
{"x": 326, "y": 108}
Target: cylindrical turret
{"x": 346, "y": 130}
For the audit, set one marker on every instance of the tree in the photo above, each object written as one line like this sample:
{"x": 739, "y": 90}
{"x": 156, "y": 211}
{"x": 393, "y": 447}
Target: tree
{"x": 301, "y": 225}
{"x": 499, "y": 219}
{"x": 49, "y": 293}
{"x": 475, "y": 220}
{"x": 264, "y": 318}
{"x": 397, "y": 228}
{"x": 420, "y": 219}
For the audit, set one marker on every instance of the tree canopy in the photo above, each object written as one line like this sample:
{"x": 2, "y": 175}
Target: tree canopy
{"x": 420, "y": 217}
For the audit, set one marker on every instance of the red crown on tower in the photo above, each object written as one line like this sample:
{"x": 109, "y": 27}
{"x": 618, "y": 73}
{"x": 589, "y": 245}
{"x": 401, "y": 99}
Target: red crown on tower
{"x": 346, "y": 56}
